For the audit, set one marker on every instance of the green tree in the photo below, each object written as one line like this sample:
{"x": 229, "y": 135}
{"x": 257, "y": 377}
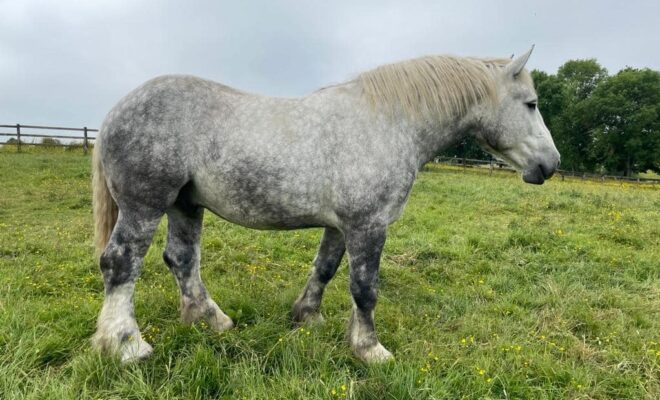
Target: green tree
{"x": 624, "y": 114}
{"x": 571, "y": 129}
{"x": 581, "y": 77}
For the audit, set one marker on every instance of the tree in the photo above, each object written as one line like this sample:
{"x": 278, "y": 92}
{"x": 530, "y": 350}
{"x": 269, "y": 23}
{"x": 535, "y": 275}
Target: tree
{"x": 624, "y": 114}
{"x": 581, "y": 77}
{"x": 571, "y": 130}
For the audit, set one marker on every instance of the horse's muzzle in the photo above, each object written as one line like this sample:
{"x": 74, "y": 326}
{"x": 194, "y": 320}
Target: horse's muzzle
{"x": 538, "y": 174}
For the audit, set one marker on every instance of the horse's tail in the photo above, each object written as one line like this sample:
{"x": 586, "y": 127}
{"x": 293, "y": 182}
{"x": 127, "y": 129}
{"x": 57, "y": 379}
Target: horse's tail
{"x": 105, "y": 208}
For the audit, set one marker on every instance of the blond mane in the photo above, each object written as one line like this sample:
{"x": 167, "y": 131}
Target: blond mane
{"x": 431, "y": 87}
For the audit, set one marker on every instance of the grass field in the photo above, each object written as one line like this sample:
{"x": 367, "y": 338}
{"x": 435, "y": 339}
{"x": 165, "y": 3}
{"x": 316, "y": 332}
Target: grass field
{"x": 490, "y": 288}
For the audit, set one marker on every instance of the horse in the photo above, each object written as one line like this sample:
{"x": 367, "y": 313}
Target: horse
{"x": 343, "y": 158}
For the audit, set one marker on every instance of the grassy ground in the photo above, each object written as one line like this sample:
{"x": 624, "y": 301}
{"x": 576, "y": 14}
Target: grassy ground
{"x": 490, "y": 289}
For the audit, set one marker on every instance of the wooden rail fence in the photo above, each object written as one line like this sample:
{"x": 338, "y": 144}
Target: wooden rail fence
{"x": 19, "y": 134}
{"x": 497, "y": 165}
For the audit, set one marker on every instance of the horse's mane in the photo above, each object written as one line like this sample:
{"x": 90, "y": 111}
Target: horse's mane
{"x": 432, "y": 87}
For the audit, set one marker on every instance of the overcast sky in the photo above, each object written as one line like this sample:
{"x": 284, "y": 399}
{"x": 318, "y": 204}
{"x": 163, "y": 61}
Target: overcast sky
{"x": 66, "y": 62}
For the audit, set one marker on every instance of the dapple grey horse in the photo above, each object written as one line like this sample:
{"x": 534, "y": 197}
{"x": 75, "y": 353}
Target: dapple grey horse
{"x": 343, "y": 158}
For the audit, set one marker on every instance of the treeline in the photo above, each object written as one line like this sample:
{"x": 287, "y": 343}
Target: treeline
{"x": 600, "y": 123}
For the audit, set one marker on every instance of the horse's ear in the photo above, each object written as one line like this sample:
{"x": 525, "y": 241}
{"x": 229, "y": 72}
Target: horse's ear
{"x": 517, "y": 65}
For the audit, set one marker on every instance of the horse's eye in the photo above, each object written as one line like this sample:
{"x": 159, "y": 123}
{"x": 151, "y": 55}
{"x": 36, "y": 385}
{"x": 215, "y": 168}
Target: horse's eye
{"x": 531, "y": 105}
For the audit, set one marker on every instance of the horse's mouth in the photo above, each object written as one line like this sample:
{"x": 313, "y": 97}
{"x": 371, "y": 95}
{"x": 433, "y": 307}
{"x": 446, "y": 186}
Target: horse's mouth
{"x": 537, "y": 175}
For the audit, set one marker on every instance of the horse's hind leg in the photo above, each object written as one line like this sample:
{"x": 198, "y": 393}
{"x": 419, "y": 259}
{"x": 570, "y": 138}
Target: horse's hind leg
{"x": 182, "y": 257}
{"x": 117, "y": 331}
{"x": 307, "y": 306}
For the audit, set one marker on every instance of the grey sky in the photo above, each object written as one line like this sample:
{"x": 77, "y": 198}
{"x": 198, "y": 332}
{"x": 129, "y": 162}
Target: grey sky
{"x": 67, "y": 62}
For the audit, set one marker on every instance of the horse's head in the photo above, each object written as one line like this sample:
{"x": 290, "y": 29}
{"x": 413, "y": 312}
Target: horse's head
{"x": 514, "y": 130}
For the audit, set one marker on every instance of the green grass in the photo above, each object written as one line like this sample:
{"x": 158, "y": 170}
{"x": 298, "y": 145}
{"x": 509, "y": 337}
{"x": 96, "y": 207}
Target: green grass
{"x": 490, "y": 289}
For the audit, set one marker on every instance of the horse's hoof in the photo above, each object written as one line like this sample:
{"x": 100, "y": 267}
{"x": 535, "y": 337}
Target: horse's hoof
{"x": 128, "y": 346}
{"x": 207, "y": 311}
{"x": 220, "y": 322}
{"x": 308, "y": 319}
{"x": 134, "y": 350}
{"x": 314, "y": 319}
{"x": 374, "y": 354}
{"x": 304, "y": 315}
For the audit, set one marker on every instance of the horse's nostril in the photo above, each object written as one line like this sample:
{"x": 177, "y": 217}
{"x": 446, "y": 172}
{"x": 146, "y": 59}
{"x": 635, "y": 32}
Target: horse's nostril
{"x": 546, "y": 172}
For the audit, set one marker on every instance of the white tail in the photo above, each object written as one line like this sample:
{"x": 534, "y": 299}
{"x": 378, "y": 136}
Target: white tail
{"x": 105, "y": 208}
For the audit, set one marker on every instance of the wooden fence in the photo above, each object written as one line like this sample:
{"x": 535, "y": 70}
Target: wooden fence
{"x": 26, "y": 131}
{"x": 493, "y": 165}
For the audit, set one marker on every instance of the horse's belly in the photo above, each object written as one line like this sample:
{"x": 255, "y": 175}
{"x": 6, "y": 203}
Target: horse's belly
{"x": 261, "y": 202}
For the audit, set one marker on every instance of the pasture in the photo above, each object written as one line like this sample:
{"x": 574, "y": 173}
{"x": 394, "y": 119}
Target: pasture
{"x": 490, "y": 288}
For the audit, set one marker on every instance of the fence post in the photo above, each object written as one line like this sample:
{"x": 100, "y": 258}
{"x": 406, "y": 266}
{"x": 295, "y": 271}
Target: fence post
{"x": 85, "y": 141}
{"x": 18, "y": 138}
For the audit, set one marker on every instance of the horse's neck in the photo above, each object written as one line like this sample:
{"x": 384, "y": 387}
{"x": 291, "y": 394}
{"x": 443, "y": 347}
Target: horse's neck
{"x": 428, "y": 138}
{"x": 432, "y": 138}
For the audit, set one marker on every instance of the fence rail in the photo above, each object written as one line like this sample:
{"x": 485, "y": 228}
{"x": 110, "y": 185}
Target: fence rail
{"x": 18, "y": 134}
{"x": 498, "y": 165}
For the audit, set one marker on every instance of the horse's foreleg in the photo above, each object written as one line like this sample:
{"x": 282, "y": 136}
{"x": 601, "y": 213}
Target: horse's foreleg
{"x": 182, "y": 257}
{"x": 117, "y": 331}
{"x": 364, "y": 250}
{"x": 331, "y": 250}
